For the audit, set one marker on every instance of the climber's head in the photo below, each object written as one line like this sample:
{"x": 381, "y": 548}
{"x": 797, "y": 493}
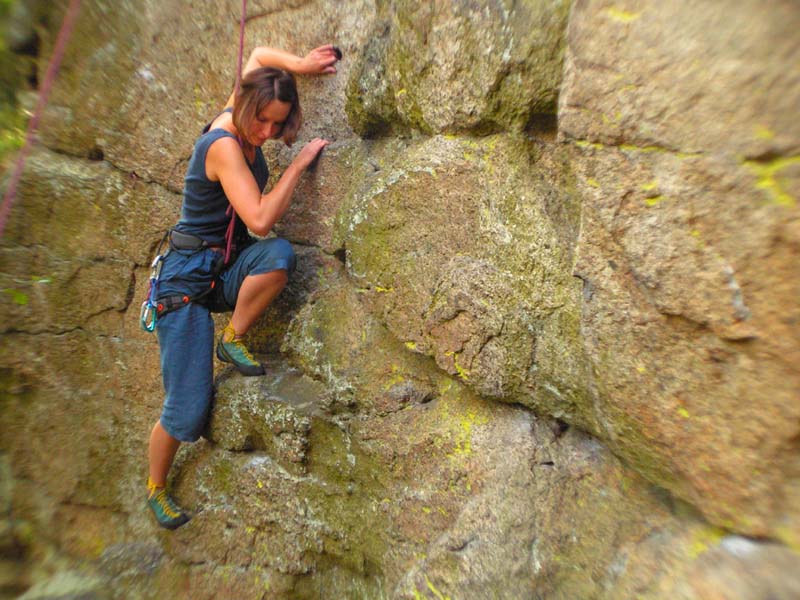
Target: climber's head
{"x": 267, "y": 107}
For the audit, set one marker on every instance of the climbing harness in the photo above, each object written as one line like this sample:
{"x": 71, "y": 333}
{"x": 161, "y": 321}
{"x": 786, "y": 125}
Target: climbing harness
{"x": 153, "y": 308}
{"x": 179, "y": 240}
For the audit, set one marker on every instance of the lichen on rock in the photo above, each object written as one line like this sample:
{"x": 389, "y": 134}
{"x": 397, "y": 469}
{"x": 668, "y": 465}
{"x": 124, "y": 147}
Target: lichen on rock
{"x": 541, "y": 340}
{"x": 449, "y": 67}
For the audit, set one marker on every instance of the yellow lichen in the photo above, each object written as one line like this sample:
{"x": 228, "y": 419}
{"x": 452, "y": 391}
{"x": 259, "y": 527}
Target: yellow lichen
{"x": 789, "y": 536}
{"x": 434, "y": 591}
{"x": 396, "y": 378}
{"x": 654, "y": 200}
{"x": 588, "y": 144}
{"x": 657, "y": 149}
{"x": 593, "y": 182}
{"x": 704, "y": 540}
{"x": 622, "y": 15}
{"x": 643, "y": 149}
{"x": 764, "y": 133}
{"x": 462, "y": 372}
{"x": 695, "y": 233}
{"x": 445, "y": 385}
{"x": 768, "y": 181}
{"x": 463, "y": 442}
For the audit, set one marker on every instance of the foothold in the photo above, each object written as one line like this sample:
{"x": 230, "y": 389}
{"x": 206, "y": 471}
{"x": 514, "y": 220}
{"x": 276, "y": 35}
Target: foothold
{"x": 337, "y": 52}
{"x": 558, "y": 427}
{"x": 96, "y": 154}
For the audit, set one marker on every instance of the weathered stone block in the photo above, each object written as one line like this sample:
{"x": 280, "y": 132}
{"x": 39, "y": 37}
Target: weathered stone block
{"x": 336, "y": 340}
{"x": 271, "y": 413}
{"x": 464, "y": 248}
{"x": 315, "y": 271}
{"x": 311, "y": 217}
{"x": 716, "y": 78}
{"x": 684, "y": 262}
{"x": 454, "y": 66}
{"x": 140, "y": 80}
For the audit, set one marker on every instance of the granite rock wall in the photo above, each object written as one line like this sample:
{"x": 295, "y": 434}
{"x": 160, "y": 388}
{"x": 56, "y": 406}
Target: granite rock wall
{"x": 543, "y": 338}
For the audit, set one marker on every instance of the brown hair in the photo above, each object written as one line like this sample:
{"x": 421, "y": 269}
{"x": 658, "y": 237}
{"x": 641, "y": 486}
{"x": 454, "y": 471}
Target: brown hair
{"x": 258, "y": 88}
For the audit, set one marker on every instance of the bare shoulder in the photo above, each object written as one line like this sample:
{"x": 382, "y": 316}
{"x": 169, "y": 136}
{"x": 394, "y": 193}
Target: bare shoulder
{"x": 222, "y": 121}
{"x": 223, "y": 154}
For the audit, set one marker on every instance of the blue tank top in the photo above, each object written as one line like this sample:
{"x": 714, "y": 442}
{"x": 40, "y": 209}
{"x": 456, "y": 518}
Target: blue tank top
{"x": 204, "y": 201}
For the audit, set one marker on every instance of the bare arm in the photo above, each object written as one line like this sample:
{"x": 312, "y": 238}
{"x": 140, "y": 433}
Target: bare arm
{"x": 319, "y": 61}
{"x": 226, "y": 163}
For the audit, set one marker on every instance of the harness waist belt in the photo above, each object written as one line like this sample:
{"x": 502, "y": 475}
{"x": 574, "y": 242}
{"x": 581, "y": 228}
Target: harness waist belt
{"x": 179, "y": 240}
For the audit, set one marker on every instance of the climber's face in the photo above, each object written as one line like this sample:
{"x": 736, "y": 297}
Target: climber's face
{"x": 268, "y": 124}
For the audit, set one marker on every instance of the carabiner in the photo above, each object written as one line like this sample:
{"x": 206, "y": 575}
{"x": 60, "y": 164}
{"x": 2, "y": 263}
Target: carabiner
{"x": 148, "y": 316}
{"x": 155, "y": 268}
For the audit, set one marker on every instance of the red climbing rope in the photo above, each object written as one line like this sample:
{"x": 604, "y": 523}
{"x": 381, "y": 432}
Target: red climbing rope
{"x": 232, "y": 223}
{"x": 44, "y": 91}
{"x": 241, "y": 45}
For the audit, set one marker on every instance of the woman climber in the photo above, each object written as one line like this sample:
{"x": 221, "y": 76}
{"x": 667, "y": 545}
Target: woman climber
{"x": 213, "y": 265}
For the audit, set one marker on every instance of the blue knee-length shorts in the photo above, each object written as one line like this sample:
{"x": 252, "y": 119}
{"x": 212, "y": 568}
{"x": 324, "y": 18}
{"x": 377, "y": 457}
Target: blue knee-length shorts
{"x": 186, "y": 335}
